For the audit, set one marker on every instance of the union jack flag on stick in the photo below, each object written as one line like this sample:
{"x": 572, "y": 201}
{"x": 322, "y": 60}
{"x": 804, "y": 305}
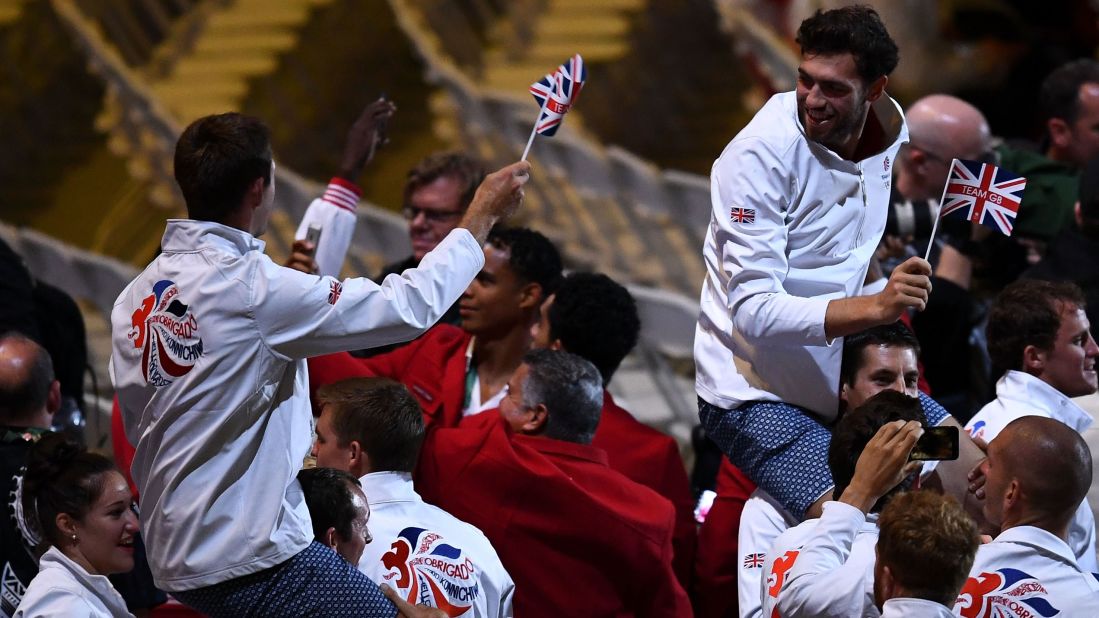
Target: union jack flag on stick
{"x": 556, "y": 93}
{"x": 981, "y": 193}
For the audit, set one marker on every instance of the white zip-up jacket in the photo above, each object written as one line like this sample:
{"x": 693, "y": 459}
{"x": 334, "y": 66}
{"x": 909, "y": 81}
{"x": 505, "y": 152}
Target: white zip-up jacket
{"x": 208, "y": 359}
{"x": 762, "y": 521}
{"x": 793, "y": 226}
{"x": 63, "y": 588}
{"x": 429, "y": 556}
{"x": 1027, "y": 571}
{"x": 334, "y": 214}
{"x": 823, "y": 568}
{"x": 1020, "y": 394}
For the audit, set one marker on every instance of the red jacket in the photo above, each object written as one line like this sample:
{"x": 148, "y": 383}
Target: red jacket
{"x": 433, "y": 368}
{"x": 646, "y": 456}
{"x": 578, "y": 538}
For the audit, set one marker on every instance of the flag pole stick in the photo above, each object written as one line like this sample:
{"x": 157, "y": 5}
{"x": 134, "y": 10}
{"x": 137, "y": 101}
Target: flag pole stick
{"x": 534, "y": 129}
{"x": 938, "y": 215}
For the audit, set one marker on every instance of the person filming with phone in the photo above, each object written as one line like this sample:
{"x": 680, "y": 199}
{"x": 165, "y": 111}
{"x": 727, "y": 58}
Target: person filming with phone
{"x": 821, "y": 567}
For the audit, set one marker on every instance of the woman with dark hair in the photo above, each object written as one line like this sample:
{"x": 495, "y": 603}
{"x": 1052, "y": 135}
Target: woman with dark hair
{"x": 79, "y": 506}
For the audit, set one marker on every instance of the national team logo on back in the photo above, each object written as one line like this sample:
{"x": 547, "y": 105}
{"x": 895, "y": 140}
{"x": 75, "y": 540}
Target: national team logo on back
{"x": 425, "y": 569}
{"x": 166, "y": 332}
{"x": 1004, "y": 593}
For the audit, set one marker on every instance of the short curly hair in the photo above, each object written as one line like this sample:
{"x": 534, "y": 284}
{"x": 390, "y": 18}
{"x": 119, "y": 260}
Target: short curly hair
{"x": 596, "y": 318}
{"x": 855, "y": 430}
{"x": 1027, "y": 312}
{"x": 855, "y": 30}
{"x": 532, "y": 256}
{"x": 928, "y": 542}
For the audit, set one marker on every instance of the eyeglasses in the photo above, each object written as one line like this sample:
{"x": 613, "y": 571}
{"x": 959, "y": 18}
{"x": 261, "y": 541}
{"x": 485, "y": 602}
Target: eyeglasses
{"x": 985, "y": 157}
{"x": 434, "y": 216}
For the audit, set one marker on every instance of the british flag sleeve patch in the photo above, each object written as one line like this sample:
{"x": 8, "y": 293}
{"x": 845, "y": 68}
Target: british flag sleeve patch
{"x": 742, "y": 215}
{"x": 754, "y": 561}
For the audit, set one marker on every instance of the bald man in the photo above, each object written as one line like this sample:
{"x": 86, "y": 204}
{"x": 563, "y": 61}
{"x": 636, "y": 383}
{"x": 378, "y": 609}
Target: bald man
{"x": 1037, "y": 472}
{"x": 940, "y": 128}
{"x": 29, "y": 392}
{"x": 29, "y": 395}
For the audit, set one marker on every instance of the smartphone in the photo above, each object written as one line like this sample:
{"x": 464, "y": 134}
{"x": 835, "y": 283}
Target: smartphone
{"x": 313, "y": 235}
{"x": 936, "y": 443}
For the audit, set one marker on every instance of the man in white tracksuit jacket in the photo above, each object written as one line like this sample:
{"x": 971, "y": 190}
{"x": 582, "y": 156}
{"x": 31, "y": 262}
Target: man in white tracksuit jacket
{"x": 209, "y": 349}
{"x": 804, "y": 573}
{"x": 799, "y": 205}
{"x": 1039, "y": 336}
{"x": 1037, "y": 471}
{"x": 373, "y": 429}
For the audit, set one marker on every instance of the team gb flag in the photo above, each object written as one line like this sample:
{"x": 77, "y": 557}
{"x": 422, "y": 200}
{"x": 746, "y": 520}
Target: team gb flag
{"x": 556, "y": 93}
{"x": 983, "y": 193}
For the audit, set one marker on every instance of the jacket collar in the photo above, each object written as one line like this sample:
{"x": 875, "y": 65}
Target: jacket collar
{"x": 98, "y": 585}
{"x": 561, "y": 448}
{"x": 389, "y": 487}
{"x": 1026, "y": 391}
{"x": 182, "y": 235}
{"x": 1042, "y": 540}
{"x": 885, "y": 111}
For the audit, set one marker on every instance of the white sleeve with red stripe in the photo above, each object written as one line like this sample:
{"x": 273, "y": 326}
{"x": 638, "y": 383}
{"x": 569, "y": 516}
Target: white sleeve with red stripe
{"x": 334, "y": 214}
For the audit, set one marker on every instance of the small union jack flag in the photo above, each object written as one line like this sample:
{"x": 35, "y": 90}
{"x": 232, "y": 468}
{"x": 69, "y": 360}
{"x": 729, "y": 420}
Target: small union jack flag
{"x": 983, "y": 193}
{"x": 557, "y": 92}
{"x": 754, "y": 561}
{"x": 334, "y": 292}
{"x": 742, "y": 215}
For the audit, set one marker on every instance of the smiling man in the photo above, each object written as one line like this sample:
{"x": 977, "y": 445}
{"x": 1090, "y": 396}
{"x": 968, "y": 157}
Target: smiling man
{"x": 800, "y": 198}
{"x": 457, "y": 372}
{"x": 1039, "y": 339}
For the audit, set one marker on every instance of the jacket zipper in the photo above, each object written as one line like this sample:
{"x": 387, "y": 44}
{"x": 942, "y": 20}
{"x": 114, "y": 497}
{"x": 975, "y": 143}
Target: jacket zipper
{"x": 865, "y": 206}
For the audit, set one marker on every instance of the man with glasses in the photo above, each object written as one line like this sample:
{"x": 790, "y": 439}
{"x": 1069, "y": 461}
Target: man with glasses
{"x": 438, "y": 190}
{"x": 941, "y": 128}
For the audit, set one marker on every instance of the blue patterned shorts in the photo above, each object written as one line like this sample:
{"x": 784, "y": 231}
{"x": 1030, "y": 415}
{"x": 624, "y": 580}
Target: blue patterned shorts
{"x": 316, "y": 582}
{"x": 781, "y": 447}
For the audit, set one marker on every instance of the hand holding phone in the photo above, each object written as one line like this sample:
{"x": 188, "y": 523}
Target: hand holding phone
{"x": 313, "y": 236}
{"x": 936, "y": 444}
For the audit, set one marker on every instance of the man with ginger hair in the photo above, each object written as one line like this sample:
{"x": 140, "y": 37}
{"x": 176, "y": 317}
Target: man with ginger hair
{"x": 925, "y": 549}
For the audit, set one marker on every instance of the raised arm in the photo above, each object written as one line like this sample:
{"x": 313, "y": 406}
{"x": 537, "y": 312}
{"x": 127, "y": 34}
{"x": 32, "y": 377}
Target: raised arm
{"x": 822, "y": 581}
{"x": 301, "y": 315}
{"x": 333, "y": 214}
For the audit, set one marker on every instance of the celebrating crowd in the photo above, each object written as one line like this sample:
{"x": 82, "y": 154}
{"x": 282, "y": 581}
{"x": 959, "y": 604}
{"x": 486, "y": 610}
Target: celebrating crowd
{"x": 440, "y": 441}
